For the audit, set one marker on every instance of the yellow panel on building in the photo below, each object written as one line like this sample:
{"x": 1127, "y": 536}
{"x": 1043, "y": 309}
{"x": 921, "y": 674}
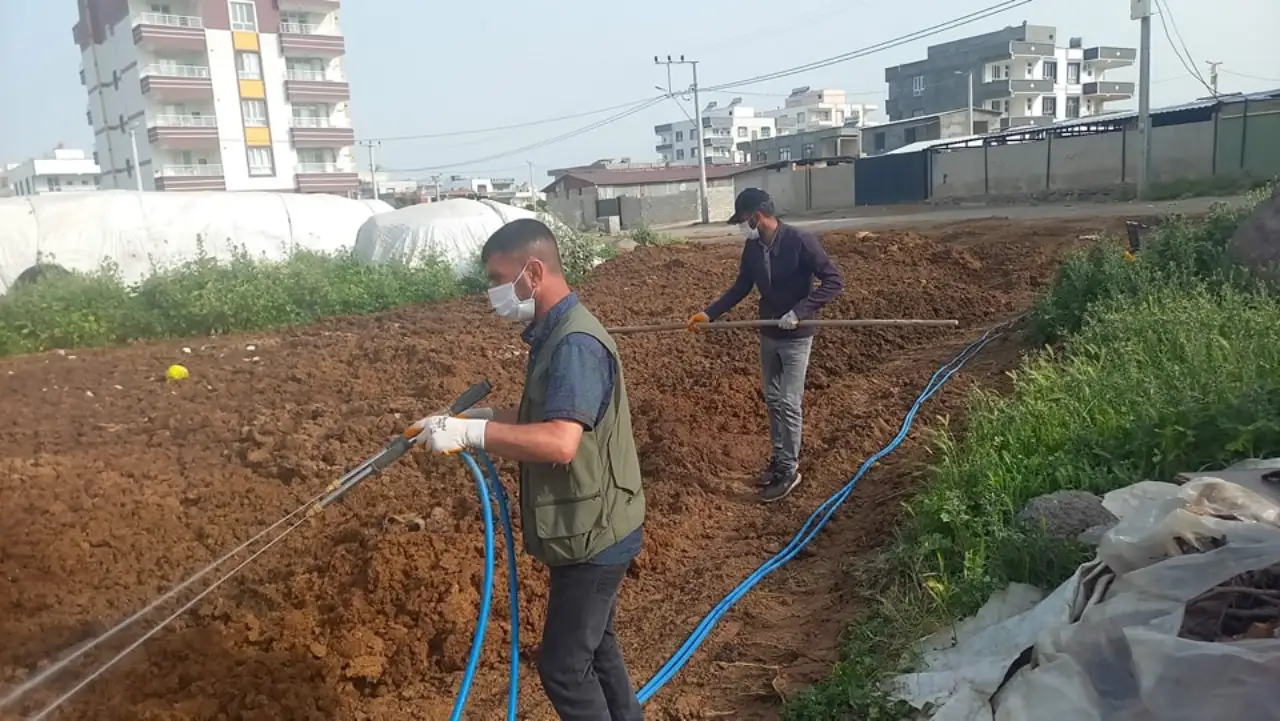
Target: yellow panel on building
{"x": 257, "y": 137}
{"x": 247, "y": 42}
{"x": 252, "y": 89}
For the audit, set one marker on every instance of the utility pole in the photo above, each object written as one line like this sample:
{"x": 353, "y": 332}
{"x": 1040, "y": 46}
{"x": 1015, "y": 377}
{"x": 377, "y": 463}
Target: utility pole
{"x": 372, "y": 145}
{"x": 533, "y": 194}
{"x": 435, "y": 180}
{"x": 133, "y": 141}
{"x": 1213, "y": 75}
{"x": 698, "y": 129}
{"x": 1140, "y": 10}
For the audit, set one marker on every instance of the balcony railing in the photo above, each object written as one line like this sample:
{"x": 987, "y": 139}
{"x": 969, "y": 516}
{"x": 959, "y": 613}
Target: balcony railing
{"x": 313, "y": 168}
{"x": 191, "y": 171}
{"x": 173, "y": 21}
{"x": 302, "y": 122}
{"x": 249, "y": 74}
{"x": 176, "y": 71}
{"x": 302, "y": 29}
{"x": 308, "y": 75}
{"x": 186, "y": 121}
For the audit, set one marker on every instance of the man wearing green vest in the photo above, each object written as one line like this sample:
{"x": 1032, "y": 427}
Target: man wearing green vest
{"x": 581, "y": 503}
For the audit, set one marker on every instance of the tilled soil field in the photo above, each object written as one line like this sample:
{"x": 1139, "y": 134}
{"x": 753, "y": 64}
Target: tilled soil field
{"x": 116, "y": 485}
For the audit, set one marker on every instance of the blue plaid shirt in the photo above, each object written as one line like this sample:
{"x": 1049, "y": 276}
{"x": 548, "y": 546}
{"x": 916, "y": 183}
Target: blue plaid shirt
{"x": 580, "y": 388}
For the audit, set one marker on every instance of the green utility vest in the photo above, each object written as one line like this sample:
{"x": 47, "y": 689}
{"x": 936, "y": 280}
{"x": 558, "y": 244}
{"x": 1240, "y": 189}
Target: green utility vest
{"x": 571, "y": 513}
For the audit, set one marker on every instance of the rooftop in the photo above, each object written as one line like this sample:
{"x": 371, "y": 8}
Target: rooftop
{"x": 646, "y": 176}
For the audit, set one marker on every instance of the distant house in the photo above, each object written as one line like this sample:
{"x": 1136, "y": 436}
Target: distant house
{"x": 643, "y": 183}
{"x": 887, "y": 137}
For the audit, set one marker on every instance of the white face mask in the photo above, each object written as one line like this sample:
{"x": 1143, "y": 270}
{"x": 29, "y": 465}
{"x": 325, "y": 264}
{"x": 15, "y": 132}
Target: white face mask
{"x": 748, "y": 232}
{"x": 508, "y": 305}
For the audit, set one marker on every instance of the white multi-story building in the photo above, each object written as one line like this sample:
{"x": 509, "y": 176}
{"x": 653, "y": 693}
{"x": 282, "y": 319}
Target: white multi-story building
{"x": 730, "y": 128}
{"x": 63, "y": 170}
{"x": 218, "y": 94}
{"x": 1023, "y": 72}
{"x": 724, "y": 127}
{"x": 807, "y": 109}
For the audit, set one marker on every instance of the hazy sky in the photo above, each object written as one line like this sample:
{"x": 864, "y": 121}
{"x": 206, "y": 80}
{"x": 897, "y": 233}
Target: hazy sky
{"x": 433, "y": 67}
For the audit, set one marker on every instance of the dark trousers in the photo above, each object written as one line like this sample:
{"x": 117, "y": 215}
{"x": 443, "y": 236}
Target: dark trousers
{"x": 580, "y": 663}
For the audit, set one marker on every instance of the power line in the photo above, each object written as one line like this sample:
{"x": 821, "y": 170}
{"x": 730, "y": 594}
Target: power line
{"x": 542, "y": 143}
{"x": 515, "y": 126}
{"x": 642, "y": 105}
{"x": 1250, "y": 77}
{"x": 930, "y": 31}
{"x": 1188, "y": 63}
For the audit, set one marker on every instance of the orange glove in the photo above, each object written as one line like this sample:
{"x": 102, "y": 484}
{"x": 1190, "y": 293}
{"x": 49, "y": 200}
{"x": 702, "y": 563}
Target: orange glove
{"x": 696, "y": 319}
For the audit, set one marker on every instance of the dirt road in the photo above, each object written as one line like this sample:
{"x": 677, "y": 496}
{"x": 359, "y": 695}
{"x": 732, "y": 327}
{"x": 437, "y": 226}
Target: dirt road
{"x": 117, "y": 485}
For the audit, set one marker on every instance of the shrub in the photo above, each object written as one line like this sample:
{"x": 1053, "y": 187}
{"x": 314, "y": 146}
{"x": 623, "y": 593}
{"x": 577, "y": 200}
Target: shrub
{"x": 208, "y": 296}
{"x": 1177, "y": 251}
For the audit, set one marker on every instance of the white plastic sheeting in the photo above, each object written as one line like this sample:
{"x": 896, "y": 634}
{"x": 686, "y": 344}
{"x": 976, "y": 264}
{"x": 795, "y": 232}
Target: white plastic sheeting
{"x": 452, "y": 229}
{"x": 140, "y": 231}
{"x": 1104, "y": 646}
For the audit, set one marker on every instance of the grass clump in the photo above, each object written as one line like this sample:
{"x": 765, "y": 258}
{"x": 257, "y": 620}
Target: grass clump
{"x": 207, "y": 296}
{"x": 1164, "y": 364}
{"x": 1177, "y": 251}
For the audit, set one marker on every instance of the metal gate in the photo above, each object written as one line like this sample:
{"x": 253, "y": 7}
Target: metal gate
{"x": 890, "y": 179}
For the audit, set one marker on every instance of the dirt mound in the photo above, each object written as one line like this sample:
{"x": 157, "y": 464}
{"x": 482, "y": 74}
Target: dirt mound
{"x": 117, "y": 485}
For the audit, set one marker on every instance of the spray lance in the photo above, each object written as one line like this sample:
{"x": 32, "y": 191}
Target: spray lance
{"x": 392, "y": 452}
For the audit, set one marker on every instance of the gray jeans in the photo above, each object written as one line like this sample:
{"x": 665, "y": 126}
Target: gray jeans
{"x": 783, "y": 364}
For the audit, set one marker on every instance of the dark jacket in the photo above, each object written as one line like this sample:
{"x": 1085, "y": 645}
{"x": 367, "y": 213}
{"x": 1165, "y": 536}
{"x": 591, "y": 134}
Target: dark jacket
{"x": 796, "y": 257}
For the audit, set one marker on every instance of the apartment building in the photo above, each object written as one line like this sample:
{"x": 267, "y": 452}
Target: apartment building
{"x": 723, "y": 128}
{"x": 63, "y": 170}
{"x": 806, "y": 110}
{"x": 218, "y": 94}
{"x": 1023, "y": 72}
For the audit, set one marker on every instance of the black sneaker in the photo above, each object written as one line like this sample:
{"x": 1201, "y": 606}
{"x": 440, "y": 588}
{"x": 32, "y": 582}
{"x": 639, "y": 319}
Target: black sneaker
{"x": 780, "y": 488}
{"x": 769, "y": 475}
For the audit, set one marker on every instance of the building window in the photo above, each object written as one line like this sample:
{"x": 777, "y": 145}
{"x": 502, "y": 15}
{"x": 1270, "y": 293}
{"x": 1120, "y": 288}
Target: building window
{"x": 1050, "y": 70}
{"x": 1049, "y": 106}
{"x": 680, "y": 154}
{"x": 784, "y": 153}
{"x": 679, "y": 136}
{"x": 88, "y": 115}
{"x": 909, "y": 135}
{"x": 981, "y": 127}
{"x": 243, "y": 16}
{"x": 1073, "y": 106}
{"x": 249, "y": 66}
{"x": 742, "y": 131}
{"x": 766, "y": 132}
{"x": 807, "y": 150}
{"x": 880, "y": 142}
{"x": 917, "y": 85}
{"x": 995, "y": 105}
{"x": 1073, "y": 73}
{"x": 693, "y": 152}
{"x": 800, "y": 118}
{"x": 1006, "y": 106}
{"x": 762, "y": 156}
{"x": 255, "y": 113}
{"x": 918, "y": 112}
{"x": 261, "y": 163}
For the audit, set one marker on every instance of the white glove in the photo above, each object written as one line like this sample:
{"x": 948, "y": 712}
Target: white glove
{"x": 789, "y": 321}
{"x": 484, "y": 414}
{"x": 444, "y": 434}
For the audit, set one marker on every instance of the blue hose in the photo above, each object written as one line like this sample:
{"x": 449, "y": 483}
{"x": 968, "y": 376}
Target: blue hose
{"x": 812, "y": 526}
{"x": 513, "y": 584}
{"x": 486, "y": 593}
{"x": 489, "y": 486}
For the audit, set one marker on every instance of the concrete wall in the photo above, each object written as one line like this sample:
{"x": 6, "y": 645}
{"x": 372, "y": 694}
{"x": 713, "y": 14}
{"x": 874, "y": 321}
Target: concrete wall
{"x": 1178, "y": 152}
{"x": 577, "y": 209}
{"x": 831, "y": 187}
{"x": 803, "y": 188}
{"x": 649, "y": 211}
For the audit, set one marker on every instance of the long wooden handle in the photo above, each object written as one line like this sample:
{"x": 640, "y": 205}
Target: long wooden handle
{"x": 739, "y": 324}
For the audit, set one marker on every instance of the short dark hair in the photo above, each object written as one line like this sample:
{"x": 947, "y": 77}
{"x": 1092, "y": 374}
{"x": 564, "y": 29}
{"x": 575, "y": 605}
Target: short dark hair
{"x": 526, "y": 236}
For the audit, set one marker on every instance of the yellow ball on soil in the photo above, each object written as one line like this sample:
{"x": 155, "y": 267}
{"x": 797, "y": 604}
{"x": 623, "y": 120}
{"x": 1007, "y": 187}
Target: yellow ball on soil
{"x": 176, "y": 373}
